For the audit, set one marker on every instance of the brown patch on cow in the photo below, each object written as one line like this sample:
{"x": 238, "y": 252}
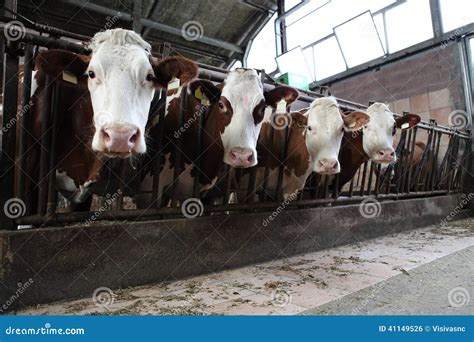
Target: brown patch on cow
{"x": 297, "y": 158}
{"x": 274, "y": 96}
{"x": 175, "y": 66}
{"x": 54, "y": 62}
{"x": 259, "y": 112}
{"x": 351, "y": 156}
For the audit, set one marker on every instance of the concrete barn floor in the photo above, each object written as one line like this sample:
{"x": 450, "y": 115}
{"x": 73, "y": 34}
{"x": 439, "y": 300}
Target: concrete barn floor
{"x": 425, "y": 271}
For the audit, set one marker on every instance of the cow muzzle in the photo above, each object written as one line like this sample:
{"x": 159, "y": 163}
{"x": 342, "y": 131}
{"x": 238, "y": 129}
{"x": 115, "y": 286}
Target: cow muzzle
{"x": 241, "y": 157}
{"x": 385, "y": 156}
{"x": 121, "y": 140}
{"x": 326, "y": 166}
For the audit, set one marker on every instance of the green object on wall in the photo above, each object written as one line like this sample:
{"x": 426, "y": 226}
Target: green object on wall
{"x": 294, "y": 80}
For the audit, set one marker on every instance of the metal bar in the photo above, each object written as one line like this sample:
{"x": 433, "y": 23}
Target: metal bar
{"x": 267, "y": 160}
{"x": 52, "y": 194}
{"x": 45, "y": 145}
{"x": 143, "y": 214}
{"x": 410, "y": 164}
{"x": 369, "y": 184}
{"x": 25, "y": 120}
{"x": 179, "y": 146}
{"x": 197, "y": 162}
{"x": 8, "y": 147}
{"x": 137, "y": 16}
{"x": 364, "y": 174}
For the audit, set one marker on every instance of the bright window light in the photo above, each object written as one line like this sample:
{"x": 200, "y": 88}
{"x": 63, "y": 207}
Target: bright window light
{"x": 359, "y": 40}
{"x": 293, "y": 62}
{"x": 263, "y": 51}
{"x": 328, "y": 60}
{"x": 456, "y": 13}
{"x": 308, "y": 54}
{"x": 408, "y": 23}
{"x": 378, "y": 20}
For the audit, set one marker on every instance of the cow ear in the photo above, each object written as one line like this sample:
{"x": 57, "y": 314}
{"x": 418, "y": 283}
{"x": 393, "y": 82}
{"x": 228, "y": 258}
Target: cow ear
{"x": 203, "y": 87}
{"x": 274, "y": 96}
{"x": 54, "y": 62}
{"x": 354, "y": 121}
{"x": 173, "y": 67}
{"x": 299, "y": 120}
{"x": 407, "y": 121}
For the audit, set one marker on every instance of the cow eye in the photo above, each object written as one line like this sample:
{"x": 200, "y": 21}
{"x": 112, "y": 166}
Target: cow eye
{"x": 150, "y": 77}
{"x": 221, "y": 105}
{"x": 309, "y": 128}
{"x": 91, "y": 74}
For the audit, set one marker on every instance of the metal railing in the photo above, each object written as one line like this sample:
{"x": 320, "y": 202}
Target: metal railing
{"x": 441, "y": 169}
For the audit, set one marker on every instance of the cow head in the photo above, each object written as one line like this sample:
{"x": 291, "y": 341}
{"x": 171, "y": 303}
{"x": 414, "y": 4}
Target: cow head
{"x": 377, "y": 139}
{"x": 236, "y": 112}
{"x": 121, "y": 77}
{"x": 324, "y": 131}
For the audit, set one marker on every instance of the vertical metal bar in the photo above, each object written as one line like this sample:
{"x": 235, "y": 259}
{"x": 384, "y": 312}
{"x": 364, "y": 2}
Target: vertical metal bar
{"x": 282, "y": 162}
{"x": 122, "y": 175}
{"x": 434, "y": 166}
{"x": 351, "y": 187}
{"x": 45, "y": 145}
{"x": 228, "y": 171}
{"x": 371, "y": 173}
{"x": 364, "y": 174}
{"x": 197, "y": 163}
{"x": 25, "y": 120}
{"x": 377, "y": 179}
{"x": 410, "y": 163}
{"x": 7, "y": 161}
{"x": 336, "y": 186}
{"x": 429, "y": 173}
{"x": 179, "y": 146}
{"x": 267, "y": 161}
{"x": 405, "y": 161}
{"x": 251, "y": 185}
{"x": 52, "y": 194}
{"x": 137, "y": 16}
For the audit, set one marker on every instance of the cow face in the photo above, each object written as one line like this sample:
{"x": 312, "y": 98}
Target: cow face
{"x": 324, "y": 132}
{"x": 121, "y": 77}
{"x": 237, "y": 109}
{"x": 377, "y": 139}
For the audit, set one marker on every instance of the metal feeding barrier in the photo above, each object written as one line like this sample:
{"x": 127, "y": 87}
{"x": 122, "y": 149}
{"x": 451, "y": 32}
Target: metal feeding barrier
{"x": 441, "y": 169}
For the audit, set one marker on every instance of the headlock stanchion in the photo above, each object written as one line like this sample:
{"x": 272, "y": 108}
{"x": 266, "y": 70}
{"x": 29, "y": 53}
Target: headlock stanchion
{"x": 440, "y": 168}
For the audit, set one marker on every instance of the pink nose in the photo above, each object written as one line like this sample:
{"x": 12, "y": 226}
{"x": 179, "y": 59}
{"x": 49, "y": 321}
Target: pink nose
{"x": 386, "y": 155}
{"x": 241, "y": 157}
{"x": 120, "y": 140}
{"x": 328, "y": 166}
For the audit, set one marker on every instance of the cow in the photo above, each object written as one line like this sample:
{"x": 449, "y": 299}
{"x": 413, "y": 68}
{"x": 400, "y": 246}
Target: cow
{"x": 232, "y": 122}
{"x": 103, "y": 107}
{"x": 313, "y": 142}
{"x": 374, "y": 142}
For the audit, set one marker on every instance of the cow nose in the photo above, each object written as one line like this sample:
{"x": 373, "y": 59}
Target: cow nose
{"x": 120, "y": 140}
{"x": 328, "y": 166}
{"x": 241, "y": 157}
{"x": 386, "y": 155}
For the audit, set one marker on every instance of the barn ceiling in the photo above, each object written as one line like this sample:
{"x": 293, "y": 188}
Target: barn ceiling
{"x": 224, "y": 27}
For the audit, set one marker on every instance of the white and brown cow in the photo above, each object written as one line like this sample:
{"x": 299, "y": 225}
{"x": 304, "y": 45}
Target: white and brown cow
{"x": 313, "y": 143}
{"x": 375, "y": 141}
{"x": 232, "y": 125}
{"x": 103, "y": 108}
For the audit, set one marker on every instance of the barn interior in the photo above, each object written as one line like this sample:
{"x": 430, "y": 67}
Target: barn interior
{"x": 321, "y": 254}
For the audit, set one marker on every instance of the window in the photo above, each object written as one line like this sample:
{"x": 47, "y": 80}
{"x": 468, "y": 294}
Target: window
{"x": 359, "y": 40}
{"x": 328, "y": 60}
{"x": 456, "y": 13}
{"x": 263, "y": 51}
{"x": 408, "y": 23}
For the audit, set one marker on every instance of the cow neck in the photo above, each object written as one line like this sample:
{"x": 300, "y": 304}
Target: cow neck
{"x": 352, "y": 156}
